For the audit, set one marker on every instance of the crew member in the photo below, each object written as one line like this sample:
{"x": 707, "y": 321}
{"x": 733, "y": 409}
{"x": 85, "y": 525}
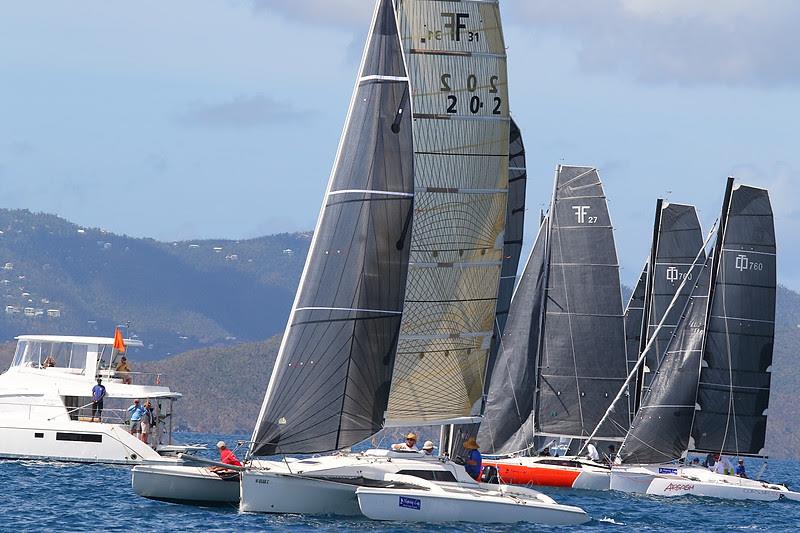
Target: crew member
{"x": 739, "y": 470}
{"x": 98, "y": 394}
{"x": 410, "y": 445}
{"x": 428, "y": 447}
{"x": 226, "y": 456}
{"x": 474, "y": 461}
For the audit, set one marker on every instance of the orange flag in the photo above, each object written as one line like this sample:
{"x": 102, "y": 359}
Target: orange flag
{"x": 119, "y": 344}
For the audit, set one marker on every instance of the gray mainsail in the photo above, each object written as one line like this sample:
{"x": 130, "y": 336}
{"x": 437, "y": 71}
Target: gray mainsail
{"x": 634, "y": 319}
{"x": 330, "y": 385}
{"x": 733, "y": 393}
{"x": 660, "y": 430}
{"x": 677, "y": 242}
{"x": 581, "y": 359}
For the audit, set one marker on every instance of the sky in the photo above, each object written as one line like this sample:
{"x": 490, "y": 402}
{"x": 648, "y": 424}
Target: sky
{"x": 197, "y": 119}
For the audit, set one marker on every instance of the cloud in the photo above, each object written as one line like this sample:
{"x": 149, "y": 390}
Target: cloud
{"x": 242, "y": 112}
{"x": 689, "y": 42}
{"x": 345, "y": 13}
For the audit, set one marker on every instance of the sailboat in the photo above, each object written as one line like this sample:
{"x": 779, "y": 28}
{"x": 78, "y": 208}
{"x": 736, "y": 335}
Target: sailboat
{"x": 562, "y": 354}
{"x": 710, "y": 392}
{"x": 393, "y": 319}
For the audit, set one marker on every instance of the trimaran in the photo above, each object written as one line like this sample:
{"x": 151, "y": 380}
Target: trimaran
{"x": 393, "y": 319}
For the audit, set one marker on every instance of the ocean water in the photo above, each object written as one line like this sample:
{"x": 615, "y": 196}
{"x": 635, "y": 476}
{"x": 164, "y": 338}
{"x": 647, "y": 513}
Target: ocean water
{"x": 39, "y": 496}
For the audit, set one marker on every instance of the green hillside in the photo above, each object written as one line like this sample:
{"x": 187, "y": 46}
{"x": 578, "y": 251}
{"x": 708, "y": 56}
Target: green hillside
{"x": 57, "y": 277}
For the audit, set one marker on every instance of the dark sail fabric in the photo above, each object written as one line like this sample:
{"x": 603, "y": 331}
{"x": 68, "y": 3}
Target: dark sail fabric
{"x": 330, "y": 385}
{"x": 512, "y": 243}
{"x": 582, "y": 361}
{"x": 679, "y": 239}
{"x": 634, "y": 316}
{"x": 508, "y": 418}
{"x": 734, "y": 385}
{"x": 660, "y": 431}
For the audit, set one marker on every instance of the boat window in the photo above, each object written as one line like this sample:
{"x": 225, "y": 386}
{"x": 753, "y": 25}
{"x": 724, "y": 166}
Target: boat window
{"x": 79, "y": 437}
{"x": 431, "y": 475}
{"x": 39, "y": 354}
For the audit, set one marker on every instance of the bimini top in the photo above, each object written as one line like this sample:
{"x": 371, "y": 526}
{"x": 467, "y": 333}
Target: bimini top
{"x": 79, "y": 340}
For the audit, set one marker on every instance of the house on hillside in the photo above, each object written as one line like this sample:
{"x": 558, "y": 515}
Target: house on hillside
{"x": 12, "y": 309}
{"x": 8, "y": 266}
{"x": 54, "y": 313}
{"x": 29, "y": 311}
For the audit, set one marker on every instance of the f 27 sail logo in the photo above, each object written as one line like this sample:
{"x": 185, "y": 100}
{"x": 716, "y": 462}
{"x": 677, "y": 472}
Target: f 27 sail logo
{"x": 455, "y": 23}
{"x": 743, "y": 263}
{"x": 581, "y": 212}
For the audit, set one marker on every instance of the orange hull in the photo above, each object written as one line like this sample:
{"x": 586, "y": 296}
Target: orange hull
{"x": 535, "y": 475}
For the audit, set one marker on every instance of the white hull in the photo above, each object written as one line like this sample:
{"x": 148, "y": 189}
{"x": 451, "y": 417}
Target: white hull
{"x": 184, "y": 484}
{"x": 488, "y": 504}
{"x": 86, "y": 442}
{"x": 671, "y": 481}
{"x": 356, "y": 484}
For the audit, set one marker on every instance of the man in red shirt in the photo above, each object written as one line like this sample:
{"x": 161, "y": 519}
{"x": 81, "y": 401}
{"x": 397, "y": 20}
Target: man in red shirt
{"x": 226, "y": 456}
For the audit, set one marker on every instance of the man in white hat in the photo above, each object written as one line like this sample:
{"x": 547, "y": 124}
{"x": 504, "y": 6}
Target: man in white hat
{"x": 428, "y": 447}
{"x": 226, "y": 456}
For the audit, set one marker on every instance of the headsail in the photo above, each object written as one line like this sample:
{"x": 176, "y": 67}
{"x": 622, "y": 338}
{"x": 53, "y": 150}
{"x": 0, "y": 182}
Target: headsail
{"x": 509, "y": 416}
{"x": 634, "y": 317}
{"x": 457, "y": 66}
{"x": 734, "y": 387}
{"x": 660, "y": 430}
{"x": 330, "y": 385}
{"x": 582, "y": 359}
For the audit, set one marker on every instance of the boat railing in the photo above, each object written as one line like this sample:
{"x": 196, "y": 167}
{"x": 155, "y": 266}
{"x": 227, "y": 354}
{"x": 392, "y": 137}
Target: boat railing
{"x": 133, "y": 378}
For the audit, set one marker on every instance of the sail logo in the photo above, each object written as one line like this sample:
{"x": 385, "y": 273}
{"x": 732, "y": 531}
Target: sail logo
{"x": 410, "y": 503}
{"x": 742, "y": 262}
{"x": 453, "y": 22}
{"x": 581, "y": 213}
{"x": 672, "y": 274}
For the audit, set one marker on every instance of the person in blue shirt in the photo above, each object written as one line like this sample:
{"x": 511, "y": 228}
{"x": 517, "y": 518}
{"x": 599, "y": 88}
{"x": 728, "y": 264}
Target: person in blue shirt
{"x": 98, "y": 394}
{"x": 739, "y": 470}
{"x": 474, "y": 459}
{"x": 135, "y": 413}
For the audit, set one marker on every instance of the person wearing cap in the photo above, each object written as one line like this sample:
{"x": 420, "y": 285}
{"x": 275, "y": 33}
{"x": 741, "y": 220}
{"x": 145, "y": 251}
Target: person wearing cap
{"x": 739, "y": 470}
{"x": 474, "y": 460}
{"x": 98, "y": 395}
{"x": 226, "y": 456}
{"x": 410, "y": 445}
{"x": 428, "y": 447}
{"x": 135, "y": 413}
{"x": 123, "y": 371}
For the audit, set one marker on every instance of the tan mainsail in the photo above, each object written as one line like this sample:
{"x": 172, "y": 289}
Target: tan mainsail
{"x": 456, "y": 63}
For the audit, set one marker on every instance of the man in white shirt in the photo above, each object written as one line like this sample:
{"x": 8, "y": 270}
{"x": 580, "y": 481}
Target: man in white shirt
{"x": 410, "y": 445}
{"x": 723, "y": 466}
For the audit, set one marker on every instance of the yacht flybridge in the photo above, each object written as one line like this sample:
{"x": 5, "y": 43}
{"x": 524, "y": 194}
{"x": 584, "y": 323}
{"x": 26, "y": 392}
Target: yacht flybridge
{"x": 46, "y": 403}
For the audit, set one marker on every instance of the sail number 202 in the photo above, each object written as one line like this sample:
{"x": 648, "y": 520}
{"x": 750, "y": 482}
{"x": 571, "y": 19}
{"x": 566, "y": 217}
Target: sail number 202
{"x": 474, "y": 102}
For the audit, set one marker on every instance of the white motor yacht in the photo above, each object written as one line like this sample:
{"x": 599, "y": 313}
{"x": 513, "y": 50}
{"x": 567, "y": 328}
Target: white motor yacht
{"x": 46, "y": 408}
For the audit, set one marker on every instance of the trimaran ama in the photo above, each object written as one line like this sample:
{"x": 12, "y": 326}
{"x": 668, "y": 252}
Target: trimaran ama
{"x": 710, "y": 392}
{"x": 392, "y": 321}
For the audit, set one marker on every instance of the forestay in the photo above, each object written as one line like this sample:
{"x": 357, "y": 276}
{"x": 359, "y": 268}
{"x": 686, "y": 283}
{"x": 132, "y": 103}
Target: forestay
{"x": 734, "y": 384}
{"x": 582, "y": 360}
{"x": 330, "y": 384}
{"x": 457, "y": 66}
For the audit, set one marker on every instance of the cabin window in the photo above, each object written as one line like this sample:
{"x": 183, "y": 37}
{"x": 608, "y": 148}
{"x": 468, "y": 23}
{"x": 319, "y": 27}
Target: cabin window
{"x": 431, "y": 475}
{"x": 39, "y": 354}
{"x": 560, "y": 462}
{"x": 38, "y": 435}
{"x": 79, "y": 437}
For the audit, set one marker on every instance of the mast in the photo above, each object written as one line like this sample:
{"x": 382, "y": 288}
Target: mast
{"x": 648, "y": 304}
